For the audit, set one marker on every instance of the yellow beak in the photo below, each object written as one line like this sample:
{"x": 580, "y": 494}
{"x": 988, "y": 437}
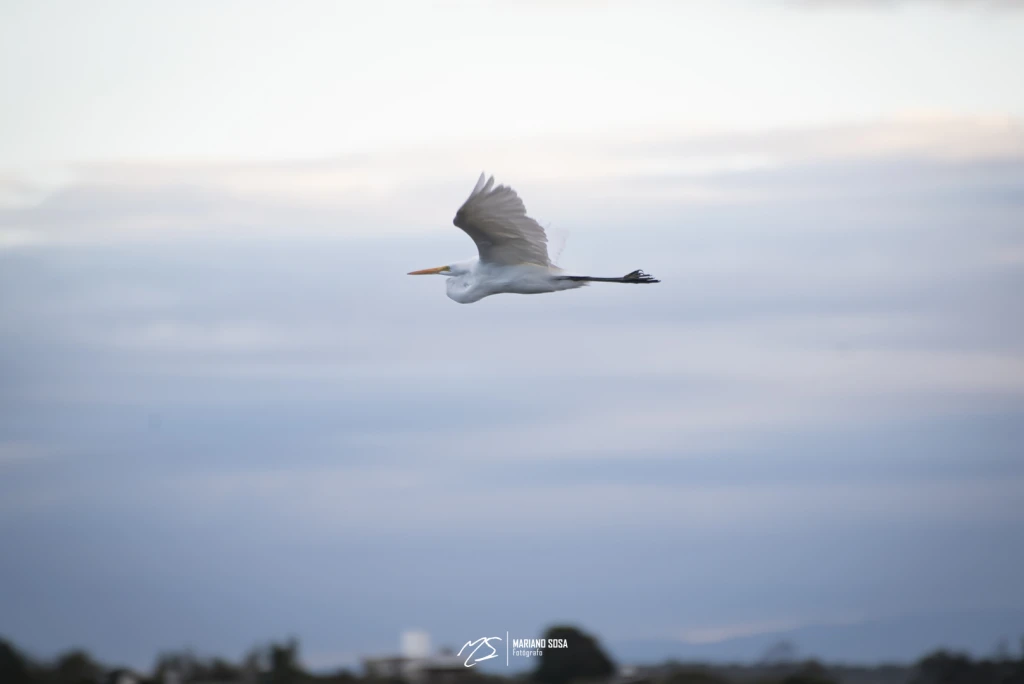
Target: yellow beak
{"x": 430, "y": 271}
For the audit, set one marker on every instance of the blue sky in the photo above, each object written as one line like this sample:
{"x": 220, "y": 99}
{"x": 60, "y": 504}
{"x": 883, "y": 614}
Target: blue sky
{"x": 229, "y": 416}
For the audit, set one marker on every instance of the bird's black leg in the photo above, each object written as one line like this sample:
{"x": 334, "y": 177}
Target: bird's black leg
{"x": 636, "y": 277}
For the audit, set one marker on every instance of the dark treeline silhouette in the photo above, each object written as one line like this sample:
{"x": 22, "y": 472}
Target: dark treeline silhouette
{"x": 583, "y": 662}
{"x": 272, "y": 664}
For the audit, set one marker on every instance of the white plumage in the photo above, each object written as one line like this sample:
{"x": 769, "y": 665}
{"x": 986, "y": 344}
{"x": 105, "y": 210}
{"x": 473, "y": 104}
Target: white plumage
{"x": 513, "y": 251}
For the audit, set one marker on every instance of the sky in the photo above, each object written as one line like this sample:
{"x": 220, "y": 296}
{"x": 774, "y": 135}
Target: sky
{"x": 228, "y": 416}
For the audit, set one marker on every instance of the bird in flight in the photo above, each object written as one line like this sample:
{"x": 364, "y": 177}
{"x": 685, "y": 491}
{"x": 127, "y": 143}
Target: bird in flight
{"x": 513, "y": 251}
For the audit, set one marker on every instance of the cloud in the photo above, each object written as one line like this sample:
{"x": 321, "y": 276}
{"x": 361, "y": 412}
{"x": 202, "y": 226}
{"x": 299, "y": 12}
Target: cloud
{"x": 32, "y": 185}
{"x": 226, "y": 366}
{"x": 415, "y": 190}
{"x": 955, "y": 4}
{"x": 14, "y": 453}
{"x": 720, "y": 633}
{"x": 384, "y": 500}
{"x": 223, "y": 337}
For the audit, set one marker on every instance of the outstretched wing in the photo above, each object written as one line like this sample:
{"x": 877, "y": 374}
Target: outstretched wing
{"x": 496, "y": 219}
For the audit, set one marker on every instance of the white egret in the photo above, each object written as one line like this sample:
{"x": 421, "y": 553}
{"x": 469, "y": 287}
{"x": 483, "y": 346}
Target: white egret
{"x": 513, "y": 251}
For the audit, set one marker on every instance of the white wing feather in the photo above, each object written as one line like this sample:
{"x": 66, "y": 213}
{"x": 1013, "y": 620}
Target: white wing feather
{"x": 496, "y": 219}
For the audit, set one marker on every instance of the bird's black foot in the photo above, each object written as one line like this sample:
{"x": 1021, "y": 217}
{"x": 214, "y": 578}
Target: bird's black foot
{"x": 639, "y": 276}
